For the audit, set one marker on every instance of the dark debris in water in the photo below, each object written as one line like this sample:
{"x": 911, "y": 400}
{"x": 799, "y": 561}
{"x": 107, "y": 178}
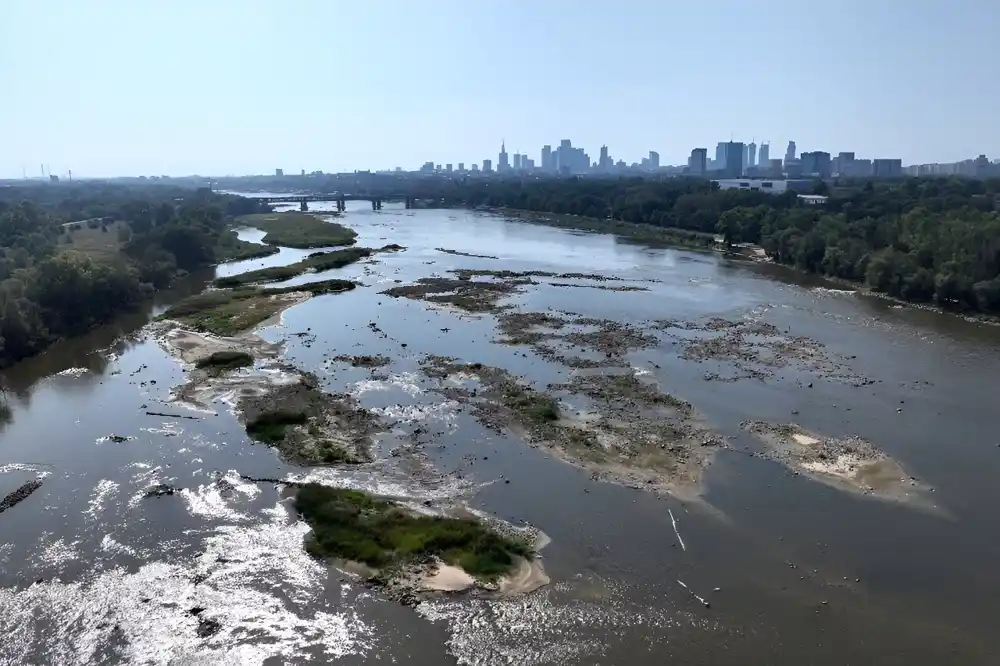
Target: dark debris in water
{"x": 19, "y": 495}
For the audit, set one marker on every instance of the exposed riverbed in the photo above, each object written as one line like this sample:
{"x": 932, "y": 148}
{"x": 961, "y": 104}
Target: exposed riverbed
{"x": 723, "y": 464}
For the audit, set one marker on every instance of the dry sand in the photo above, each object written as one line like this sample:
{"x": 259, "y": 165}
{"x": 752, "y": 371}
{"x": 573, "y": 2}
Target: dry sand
{"x": 848, "y": 463}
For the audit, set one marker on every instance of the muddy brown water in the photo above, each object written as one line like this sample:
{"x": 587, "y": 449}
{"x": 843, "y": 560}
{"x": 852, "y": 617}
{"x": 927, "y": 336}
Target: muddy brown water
{"x": 794, "y": 571}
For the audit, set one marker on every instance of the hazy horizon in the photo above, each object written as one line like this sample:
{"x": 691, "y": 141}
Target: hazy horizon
{"x": 114, "y": 88}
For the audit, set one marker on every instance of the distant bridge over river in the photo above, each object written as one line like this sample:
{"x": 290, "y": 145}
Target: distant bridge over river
{"x": 341, "y": 199}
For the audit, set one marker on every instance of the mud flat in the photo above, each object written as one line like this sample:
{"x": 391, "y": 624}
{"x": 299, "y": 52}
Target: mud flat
{"x": 849, "y": 463}
{"x": 474, "y": 296}
{"x": 577, "y": 342}
{"x": 755, "y": 350}
{"x": 465, "y": 254}
{"x": 406, "y": 552}
{"x": 308, "y": 426}
{"x": 200, "y": 348}
{"x": 611, "y": 424}
{"x": 364, "y": 360}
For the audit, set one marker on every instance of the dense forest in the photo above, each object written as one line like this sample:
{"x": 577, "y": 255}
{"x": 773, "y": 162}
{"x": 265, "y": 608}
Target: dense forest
{"x": 922, "y": 240}
{"x": 50, "y": 290}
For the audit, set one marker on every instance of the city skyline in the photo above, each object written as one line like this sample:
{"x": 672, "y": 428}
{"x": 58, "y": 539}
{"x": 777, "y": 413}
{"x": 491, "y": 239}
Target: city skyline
{"x": 102, "y": 89}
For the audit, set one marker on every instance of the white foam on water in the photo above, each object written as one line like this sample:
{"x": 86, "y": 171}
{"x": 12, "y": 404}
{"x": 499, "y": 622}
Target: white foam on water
{"x": 255, "y": 581}
{"x": 442, "y": 411}
{"x": 206, "y": 501}
{"x": 25, "y": 467}
{"x": 103, "y": 491}
{"x": 73, "y": 372}
{"x": 109, "y": 545}
{"x": 406, "y": 382}
{"x": 59, "y": 552}
{"x": 538, "y": 628}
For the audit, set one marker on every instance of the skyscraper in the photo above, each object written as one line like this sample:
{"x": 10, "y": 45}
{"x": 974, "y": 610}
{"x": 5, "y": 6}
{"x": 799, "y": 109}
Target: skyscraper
{"x": 654, "y": 160}
{"x": 517, "y": 162}
{"x": 547, "y": 165}
{"x": 790, "y": 152}
{"x": 733, "y": 154}
{"x": 605, "y": 163}
{"x": 720, "y": 155}
{"x": 698, "y": 162}
{"x": 746, "y": 156}
{"x": 502, "y": 164}
{"x": 765, "y": 155}
{"x": 488, "y": 166}
{"x": 751, "y": 155}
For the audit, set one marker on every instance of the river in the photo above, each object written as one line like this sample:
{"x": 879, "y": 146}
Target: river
{"x": 795, "y": 571}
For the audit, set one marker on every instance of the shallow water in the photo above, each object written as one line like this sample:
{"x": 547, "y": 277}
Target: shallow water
{"x": 93, "y": 572}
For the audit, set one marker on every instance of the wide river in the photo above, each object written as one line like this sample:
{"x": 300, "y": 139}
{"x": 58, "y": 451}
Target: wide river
{"x": 795, "y": 571}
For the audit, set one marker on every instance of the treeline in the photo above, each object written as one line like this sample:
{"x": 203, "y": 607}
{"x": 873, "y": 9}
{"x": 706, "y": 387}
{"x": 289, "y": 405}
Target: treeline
{"x": 922, "y": 240}
{"x": 49, "y": 291}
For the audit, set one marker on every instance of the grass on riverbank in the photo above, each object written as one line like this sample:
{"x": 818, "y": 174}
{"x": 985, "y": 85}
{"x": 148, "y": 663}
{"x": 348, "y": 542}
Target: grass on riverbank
{"x": 647, "y": 234}
{"x": 352, "y": 525}
{"x": 318, "y": 262}
{"x": 229, "y": 311}
{"x": 298, "y": 230}
{"x": 232, "y": 248}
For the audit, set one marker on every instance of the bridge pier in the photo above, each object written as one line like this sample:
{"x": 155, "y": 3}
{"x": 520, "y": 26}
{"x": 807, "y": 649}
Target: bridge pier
{"x": 407, "y": 203}
{"x": 341, "y": 205}
{"x": 376, "y": 203}
{"x": 304, "y": 206}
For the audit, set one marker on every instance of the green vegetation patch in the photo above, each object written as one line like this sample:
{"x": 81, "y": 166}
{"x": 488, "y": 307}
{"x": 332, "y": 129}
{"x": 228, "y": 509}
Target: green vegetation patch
{"x": 309, "y": 426}
{"x": 351, "y": 525}
{"x": 299, "y": 230}
{"x": 232, "y": 248}
{"x": 270, "y": 426}
{"x": 317, "y": 262}
{"x": 230, "y": 311}
{"x": 221, "y": 361}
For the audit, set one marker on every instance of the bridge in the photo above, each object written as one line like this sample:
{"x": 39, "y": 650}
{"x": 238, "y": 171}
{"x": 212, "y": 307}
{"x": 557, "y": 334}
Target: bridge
{"x": 341, "y": 199}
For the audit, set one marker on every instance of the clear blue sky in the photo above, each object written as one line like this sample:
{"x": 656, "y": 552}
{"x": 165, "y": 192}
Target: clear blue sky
{"x": 129, "y": 87}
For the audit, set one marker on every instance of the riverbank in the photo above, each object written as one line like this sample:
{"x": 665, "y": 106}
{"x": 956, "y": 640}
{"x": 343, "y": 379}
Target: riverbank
{"x": 646, "y": 234}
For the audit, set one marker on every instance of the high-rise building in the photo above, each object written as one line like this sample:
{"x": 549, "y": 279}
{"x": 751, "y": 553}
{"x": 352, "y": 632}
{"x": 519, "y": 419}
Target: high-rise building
{"x": 475, "y": 168}
{"x": 765, "y": 155}
{"x": 447, "y": 167}
{"x": 654, "y": 160}
{"x": 720, "y": 156}
{"x": 843, "y": 164}
{"x": 733, "y": 155}
{"x": 488, "y": 166}
{"x": 461, "y": 166}
{"x": 605, "y": 163}
{"x": 502, "y": 164}
{"x": 547, "y": 165}
{"x": 887, "y": 168}
{"x": 698, "y": 162}
{"x": 816, "y": 163}
{"x": 279, "y": 172}
{"x": 517, "y": 162}
{"x": 790, "y": 152}
{"x": 751, "y": 155}
{"x": 746, "y": 156}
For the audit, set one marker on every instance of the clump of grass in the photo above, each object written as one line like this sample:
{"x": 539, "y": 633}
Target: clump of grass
{"x": 270, "y": 427}
{"x": 317, "y": 262}
{"x": 533, "y": 406}
{"x": 352, "y": 525}
{"x": 221, "y": 361}
{"x": 299, "y": 230}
